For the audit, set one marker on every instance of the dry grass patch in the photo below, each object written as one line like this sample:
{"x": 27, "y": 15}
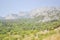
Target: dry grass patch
{"x": 53, "y": 37}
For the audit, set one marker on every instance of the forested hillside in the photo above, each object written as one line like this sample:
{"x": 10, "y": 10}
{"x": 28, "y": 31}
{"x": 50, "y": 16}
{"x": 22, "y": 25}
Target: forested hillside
{"x": 42, "y": 24}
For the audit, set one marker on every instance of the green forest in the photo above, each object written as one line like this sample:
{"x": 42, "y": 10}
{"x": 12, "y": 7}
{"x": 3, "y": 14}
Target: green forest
{"x": 26, "y": 29}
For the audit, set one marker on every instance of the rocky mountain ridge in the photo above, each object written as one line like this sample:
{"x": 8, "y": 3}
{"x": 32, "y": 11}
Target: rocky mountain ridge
{"x": 40, "y": 14}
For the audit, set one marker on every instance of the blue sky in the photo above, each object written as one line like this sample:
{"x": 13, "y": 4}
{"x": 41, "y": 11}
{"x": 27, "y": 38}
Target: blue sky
{"x": 15, "y": 6}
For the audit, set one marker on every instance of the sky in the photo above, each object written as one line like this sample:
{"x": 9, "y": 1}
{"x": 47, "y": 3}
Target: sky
{"x": 15, "y": 6}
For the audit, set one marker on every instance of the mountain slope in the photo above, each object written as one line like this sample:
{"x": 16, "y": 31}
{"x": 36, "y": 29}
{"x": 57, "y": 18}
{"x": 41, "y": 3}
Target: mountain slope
{"x": 46, "y": 14}
{"x": 40, "y": 14}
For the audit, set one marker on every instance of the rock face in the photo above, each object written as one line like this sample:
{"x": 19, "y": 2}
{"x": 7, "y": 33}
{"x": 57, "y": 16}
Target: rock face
{"x": 46, "y": 14}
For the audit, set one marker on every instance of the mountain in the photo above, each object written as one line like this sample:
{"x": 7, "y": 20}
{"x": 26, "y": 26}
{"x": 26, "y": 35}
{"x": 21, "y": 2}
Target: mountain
{"x": 39, "y": 14}
{"x": 45, "y": 14}
{"x": 1, "y": 17}
{"x": 17, "y": 16}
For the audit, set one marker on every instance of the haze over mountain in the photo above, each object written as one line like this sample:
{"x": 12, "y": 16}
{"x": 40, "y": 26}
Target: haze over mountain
{"x": 46, "y": 14}
{"x": 17, "y": 16}
{"x": 40, "y": 14}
